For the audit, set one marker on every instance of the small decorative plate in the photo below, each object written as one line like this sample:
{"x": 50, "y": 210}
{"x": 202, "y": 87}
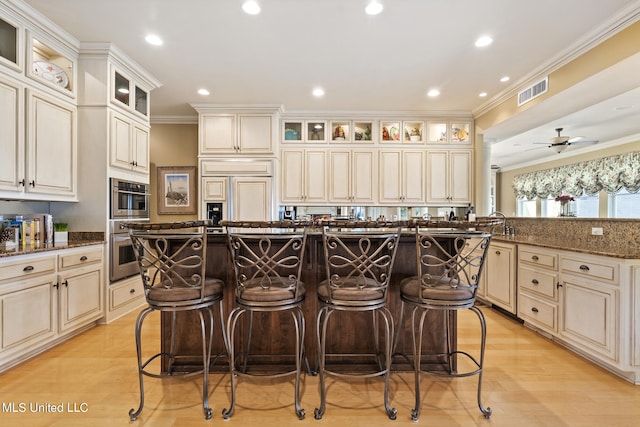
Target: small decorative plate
{"x": 51, "y": 72}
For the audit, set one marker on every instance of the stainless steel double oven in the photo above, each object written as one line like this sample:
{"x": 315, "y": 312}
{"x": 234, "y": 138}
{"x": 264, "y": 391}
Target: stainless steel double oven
{"x": 129, "y": 202}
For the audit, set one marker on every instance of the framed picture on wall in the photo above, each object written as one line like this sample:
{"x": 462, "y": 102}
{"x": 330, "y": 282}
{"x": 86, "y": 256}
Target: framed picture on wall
{"x": 177, "y": 190}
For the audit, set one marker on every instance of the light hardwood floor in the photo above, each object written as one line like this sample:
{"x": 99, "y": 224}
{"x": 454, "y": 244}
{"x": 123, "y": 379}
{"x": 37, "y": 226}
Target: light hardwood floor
{"x": 529, "y": 381}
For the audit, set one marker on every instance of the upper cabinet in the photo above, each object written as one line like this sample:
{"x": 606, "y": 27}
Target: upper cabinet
{"x": 49, "y": 65}
{"x": 38, "y": 107}
{"x": 114, "y": 99}
{"x": 455, "y": 132}
{"x": 236, "y": 131}
{"x": 128, "y": 94}
{"x": 10, "y": 43}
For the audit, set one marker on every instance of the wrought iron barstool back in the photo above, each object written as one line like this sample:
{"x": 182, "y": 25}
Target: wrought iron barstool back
{"x": 358, "y": 269}
{"x": 449, "y": 267}
{"x": 172, "y": 261}
{"x": 268, "y": 267}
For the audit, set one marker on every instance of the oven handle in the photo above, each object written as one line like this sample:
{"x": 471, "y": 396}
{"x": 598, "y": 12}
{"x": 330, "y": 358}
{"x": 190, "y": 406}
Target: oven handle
{"x": 133, "y": 192}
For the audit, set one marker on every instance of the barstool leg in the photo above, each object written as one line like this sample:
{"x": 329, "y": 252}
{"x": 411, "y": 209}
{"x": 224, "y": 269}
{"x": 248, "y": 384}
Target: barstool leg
{"x": 231, "y": 327}
{"x": 388, "y": 346}
{"x": 321, "y": 328}
{"x": 133, "y": 415}
{"x": 206, "y": 357}
{"x": 298, "y": 321}
{"x": 417, "y": 356}
{"x": 483, "y": 326}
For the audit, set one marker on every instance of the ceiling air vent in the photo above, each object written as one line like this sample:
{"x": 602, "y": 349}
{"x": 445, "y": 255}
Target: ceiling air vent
{"x": 532, "y": 91}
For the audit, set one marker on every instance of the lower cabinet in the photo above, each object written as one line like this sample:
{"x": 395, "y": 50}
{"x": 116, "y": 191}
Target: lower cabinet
{"x": 44, "y": 298}
{"x": 586, "y": 302}
{"x": 500, "y": 284}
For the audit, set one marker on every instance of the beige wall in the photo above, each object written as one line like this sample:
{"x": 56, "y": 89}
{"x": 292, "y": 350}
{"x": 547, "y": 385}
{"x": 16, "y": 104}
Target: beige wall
{"x": 172, "y": 145}
{"x": 506, "y": 197}
{"x": 613, "y": 50}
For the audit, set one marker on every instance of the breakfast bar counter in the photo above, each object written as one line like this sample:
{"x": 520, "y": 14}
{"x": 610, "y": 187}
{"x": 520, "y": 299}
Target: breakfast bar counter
{"x": 270, "y": 351}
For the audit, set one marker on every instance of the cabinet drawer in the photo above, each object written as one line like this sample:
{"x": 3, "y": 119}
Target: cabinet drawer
{"x": 27, "y": 268}
{"x": 538, "y": 312}
{"x": 598, "y": 269}
{"x": 122, "y": 295}
{"x": 538, "y": 258}
{"x": 77, "y": 259}
{"x": 538, "y": 281}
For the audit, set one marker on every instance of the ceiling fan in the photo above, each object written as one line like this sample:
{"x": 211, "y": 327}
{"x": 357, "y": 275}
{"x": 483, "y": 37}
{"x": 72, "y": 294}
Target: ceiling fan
{"x": 561, "y": 142}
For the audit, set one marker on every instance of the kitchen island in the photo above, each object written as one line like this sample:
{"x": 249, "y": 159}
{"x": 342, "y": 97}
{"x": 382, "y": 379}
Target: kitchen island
{"x": 346, "y": 333}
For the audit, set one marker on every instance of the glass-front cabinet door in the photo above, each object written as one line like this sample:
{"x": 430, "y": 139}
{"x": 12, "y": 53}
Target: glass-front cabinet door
{"x": 141, "y": 101}
{"x": 50, "y": 66}
{"x": 9, "y": 41}
{"x": 121, "y": 89}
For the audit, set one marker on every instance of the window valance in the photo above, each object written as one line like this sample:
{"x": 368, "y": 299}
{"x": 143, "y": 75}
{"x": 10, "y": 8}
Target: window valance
{"x": 609, "y": 174}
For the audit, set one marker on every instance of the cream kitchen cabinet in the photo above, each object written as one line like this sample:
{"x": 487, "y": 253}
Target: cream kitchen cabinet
{"x": 45, "y": 297}
{"x": 538, "y": 287}
{"x": 251, "y": 198}
{"x": 449, "y": 174}
{"x": 351, "y": 176}
{"x": 501, "y": 276}
{"x": 245, "y": 187}
{"x": 129, "y": 144}
{"x": 247, "y": 134}
{"x": 27, "y": 304}
{"x": 590, "y": 313}
{"x": 39, "y": 163}
{"x": 303, "y": 176}
{"x": 80, "y": 283}
{"x": 401, "y": 177}
{"x": 12, "y": 143}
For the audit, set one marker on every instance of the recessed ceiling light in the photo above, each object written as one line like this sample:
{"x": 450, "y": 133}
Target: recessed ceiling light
{"x": 484, "y": 41}
{"x": 482, "y": 94}
{"x": 433, "y": 93}
{"x": 203, "y": 92}
{"x": 504, "y": 79}
{"x": 154, "y": 40}
{"x": 318, "y": 92}
{"x": 373, "y": 8}
{"x": 251, "y": 7}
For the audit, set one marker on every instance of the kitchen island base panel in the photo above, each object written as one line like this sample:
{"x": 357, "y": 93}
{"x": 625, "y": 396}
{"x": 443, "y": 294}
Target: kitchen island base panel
{"x": 270, "y": 354}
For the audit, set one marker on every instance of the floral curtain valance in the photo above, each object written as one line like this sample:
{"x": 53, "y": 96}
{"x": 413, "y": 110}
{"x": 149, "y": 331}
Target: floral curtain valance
{"x": 609, "y": 174}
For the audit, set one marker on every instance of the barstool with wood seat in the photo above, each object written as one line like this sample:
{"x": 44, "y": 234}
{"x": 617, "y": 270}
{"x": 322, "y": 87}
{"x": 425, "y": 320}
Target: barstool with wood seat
{"x": 449, "y": 266}
{"x": 268, "y": 265}
{"x": 172, "y": 260}
{"x": 358, "y": 267}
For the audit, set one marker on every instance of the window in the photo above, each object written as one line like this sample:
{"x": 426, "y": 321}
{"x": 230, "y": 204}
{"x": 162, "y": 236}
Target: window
{"x": 624, "y": 204}
{"x": 587, "y": 206}
{"x": 549, "y": 207}
{"x": 526, "y": 207}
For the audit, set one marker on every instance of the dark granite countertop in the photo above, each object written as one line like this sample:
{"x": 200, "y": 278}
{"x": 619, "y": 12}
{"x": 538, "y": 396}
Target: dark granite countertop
{"x": 76, "y": 239}
{"x": 594, "y": 247}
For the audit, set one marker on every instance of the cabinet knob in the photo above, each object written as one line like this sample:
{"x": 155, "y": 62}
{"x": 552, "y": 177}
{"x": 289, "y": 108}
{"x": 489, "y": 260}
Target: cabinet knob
{"x": 83, "y": 258}
{"x": 535, "y": 281}
{"x": 66, "y": 284}
{"x": 534, "y": 309}
{"x": 56, "y": 285}
{"x": 535, "y": 258}
{"x": 32, "y": 183}
{"x": 28, "y": 268}
{"x": 497, "y": 252}
{"x": 132, "y": 291}
{"x": 584, "y": 267}
{"x": 21, "y": 182}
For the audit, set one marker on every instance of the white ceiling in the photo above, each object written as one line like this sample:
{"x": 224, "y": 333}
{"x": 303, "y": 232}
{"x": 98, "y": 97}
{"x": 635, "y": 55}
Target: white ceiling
{"x": 370, "y": 63}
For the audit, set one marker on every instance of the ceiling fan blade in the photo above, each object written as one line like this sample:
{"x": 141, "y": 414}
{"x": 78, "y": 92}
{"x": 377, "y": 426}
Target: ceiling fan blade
{"x": 585, "y": 142}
